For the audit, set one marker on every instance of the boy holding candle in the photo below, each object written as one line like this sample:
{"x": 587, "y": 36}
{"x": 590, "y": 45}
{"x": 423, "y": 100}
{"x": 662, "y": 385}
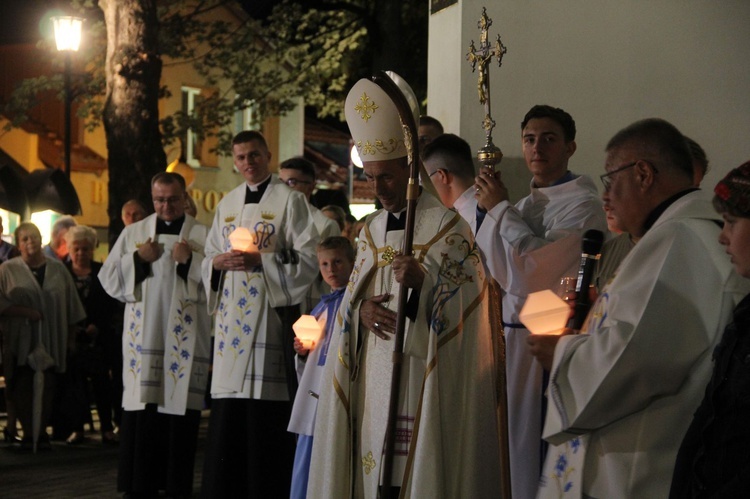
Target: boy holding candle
{"x": 336, "y": 260}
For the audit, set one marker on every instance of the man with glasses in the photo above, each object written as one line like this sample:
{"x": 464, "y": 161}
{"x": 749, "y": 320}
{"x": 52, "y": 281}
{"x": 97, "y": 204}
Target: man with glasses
{"x": 155, "y": 268}
{"x": 621, "y": 395}
{"x": 260, "y": 260}
{"x": 299, "y": 174}
{"x": 530, "y": 247}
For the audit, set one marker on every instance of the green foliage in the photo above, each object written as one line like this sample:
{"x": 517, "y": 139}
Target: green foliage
{"x": 313, "y": 51}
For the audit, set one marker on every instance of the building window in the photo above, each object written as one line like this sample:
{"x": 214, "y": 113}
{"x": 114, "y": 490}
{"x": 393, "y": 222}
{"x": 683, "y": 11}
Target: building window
{"x": 198, "y": 151}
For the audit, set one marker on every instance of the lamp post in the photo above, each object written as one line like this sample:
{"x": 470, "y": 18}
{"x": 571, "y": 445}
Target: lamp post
{"x": 67, "y": 39}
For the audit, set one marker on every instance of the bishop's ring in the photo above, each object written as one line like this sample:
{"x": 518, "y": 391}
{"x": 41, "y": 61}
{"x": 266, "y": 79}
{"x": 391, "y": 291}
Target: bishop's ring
{"x": 376, "y": 325}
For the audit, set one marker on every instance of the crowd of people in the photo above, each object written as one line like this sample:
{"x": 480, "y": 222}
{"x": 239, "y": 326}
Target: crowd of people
{"x": 646, "y": 399}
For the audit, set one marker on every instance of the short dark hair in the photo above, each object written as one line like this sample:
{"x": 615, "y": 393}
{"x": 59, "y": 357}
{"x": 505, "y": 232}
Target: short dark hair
{"x": 698, "y": 154}
{"x": 168, "y": 178}
{"x": 338, "y": 242}
{"x": 556, "y": 114}
{"x": 658, "y": 140}
{"x": 249, "y": 136}
{"x": 300, "y": 164}
{"x": 425, "y": 120}
{"x": 456, "y": 151}
{"x": 339, "y": 212}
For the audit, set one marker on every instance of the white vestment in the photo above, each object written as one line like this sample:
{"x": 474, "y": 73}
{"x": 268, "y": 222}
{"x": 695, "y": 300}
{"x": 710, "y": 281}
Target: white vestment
{"x": 446, "y": 431}
{"x": 166, "y": 329}
{"x": 248, "y": 356}
{"x": 530, "y": 247}
{"x": 622, "y": 396}
{"x": 466, "y": 206}
{"x": 326, "y": 227}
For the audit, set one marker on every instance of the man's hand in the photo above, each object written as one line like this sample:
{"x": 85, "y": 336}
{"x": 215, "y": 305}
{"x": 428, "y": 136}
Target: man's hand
{"x": 542, "y": 346}
{"x": 408, "y": 272}
{"x": 237, "y": 260}
{"x": 377, "y": 318}
{"x": 490, "y": 190}
{"x": 181, "y": 252}
{"x": 150, "y": 251}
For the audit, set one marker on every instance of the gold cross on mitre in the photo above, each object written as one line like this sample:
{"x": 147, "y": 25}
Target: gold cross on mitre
{"x": 489, "y": 155}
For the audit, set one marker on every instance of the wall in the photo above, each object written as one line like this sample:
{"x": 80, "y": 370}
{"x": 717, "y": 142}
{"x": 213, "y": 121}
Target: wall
{"x": 608, "y": 64}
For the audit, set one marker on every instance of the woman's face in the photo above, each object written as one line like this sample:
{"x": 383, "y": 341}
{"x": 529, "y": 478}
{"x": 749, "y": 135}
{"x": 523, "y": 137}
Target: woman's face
{"x": 735, "y": 236}
{"x": 29, "y": 242}
{"x": 81, "y": 252}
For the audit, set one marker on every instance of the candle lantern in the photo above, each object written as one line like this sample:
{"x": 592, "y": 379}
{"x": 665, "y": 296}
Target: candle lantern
{"x": 544, "y": 313}
{"x": 307, "y": 330}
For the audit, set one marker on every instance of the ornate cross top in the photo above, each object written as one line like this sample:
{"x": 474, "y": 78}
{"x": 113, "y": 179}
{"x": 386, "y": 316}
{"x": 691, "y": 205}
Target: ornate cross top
{"x": 489, "y": 155}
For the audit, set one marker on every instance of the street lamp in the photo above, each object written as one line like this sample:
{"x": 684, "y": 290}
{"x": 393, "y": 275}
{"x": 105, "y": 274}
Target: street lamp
{"x": 67, "y": 38}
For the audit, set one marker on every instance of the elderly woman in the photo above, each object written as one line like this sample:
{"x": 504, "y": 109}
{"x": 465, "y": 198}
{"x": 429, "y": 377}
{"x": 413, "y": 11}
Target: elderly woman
{"x": 38, "y": 302}
{"x": 96, "y": 344}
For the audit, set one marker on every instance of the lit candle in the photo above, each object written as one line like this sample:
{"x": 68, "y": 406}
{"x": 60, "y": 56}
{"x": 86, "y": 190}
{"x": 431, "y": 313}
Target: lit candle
{"x": 544, "y": 313}
{"x": 307, "y": 330}
{"x": 241, "y": 239}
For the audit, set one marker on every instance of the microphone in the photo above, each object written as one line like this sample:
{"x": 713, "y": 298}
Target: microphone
{"x": 591, "y": 247}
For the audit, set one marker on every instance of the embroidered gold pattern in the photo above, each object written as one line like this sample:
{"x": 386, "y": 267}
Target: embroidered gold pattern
{"x": 369, "y": 148}
{"x": 368, "y": 463}
{"x": 267, "y": 215}
{"x": 389, "y": 254}
{"x": 229, "y": 219}
{"x": 365, "y": 107}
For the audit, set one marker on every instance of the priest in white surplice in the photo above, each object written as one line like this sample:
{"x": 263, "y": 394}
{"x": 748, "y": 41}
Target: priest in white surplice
{"x": 253, "y": 291}
{"x": 530, "y": 247}
{"x": 622, "y": 396}
{"x": 446, "y": 431}
{"x": 155, "y": 268}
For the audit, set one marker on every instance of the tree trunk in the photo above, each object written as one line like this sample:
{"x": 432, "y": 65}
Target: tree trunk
{"x": 131, "y": 113}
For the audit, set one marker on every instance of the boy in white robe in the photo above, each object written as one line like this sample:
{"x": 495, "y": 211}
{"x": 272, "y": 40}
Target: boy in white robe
{"x": 335, "y": 260}
{"x": 155, "y": 268}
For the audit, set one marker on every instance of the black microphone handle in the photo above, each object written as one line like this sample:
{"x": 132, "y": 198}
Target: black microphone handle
{"x": 583, "y": 303}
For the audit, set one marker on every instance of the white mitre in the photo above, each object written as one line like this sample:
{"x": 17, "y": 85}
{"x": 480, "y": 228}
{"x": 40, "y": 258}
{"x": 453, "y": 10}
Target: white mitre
{"x": 374, "y": 121}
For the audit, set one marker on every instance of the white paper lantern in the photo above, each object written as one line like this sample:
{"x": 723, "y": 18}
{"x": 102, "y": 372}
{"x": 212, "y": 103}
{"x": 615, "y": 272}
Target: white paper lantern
{"x": 544, "y": 313}
{"x": 241, "y": 239}
{"x": 307, "y": 330}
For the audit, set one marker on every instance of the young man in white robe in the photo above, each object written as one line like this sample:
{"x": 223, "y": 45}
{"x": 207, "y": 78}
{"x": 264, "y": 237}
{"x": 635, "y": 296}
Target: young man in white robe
{"x": 530, "y": 247}
{"x": 621, "y": 395}
{"x": 446, "y": 431}
{"x": 155, "y": 268}
{"x": 260, "y": 261}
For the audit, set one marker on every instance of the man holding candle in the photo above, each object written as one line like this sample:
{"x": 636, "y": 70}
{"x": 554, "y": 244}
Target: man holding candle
{"x": 621, "y": 395}
{"x": 529, "y": 247}
{"x": 446, "y": 431}
{"x": 253, "y": 291}
{"x": 155, "y": 268}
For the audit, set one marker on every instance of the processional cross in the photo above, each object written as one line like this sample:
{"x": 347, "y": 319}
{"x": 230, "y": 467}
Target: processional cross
{"x": 489, "y": 155}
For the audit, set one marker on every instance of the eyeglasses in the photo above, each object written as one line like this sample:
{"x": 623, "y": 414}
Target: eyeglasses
{"x": 607, "y": 177}
{"x": 433, "y": 173}
{"x": 169, "y": 200}
{"x": 291, "y": 182}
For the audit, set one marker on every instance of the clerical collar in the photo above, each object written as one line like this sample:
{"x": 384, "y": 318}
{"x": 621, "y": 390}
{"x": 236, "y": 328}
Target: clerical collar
{"x": 396, "y": 221}
{"x": 174, "y": 227}
{"x": 254, "y": 192}
{"x": 662, "y": 207}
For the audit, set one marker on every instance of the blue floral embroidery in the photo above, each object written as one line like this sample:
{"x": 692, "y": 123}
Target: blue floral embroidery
{"x": 133, "y": 351}
{"x": 563, "y": 471}
{"x": 179, "y": 336}
{"x": 233, "y": 332}
{"x": 451, "y": 276}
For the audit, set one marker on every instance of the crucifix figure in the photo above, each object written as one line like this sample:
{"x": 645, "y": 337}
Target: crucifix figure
{"x": 489, "y": 155}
